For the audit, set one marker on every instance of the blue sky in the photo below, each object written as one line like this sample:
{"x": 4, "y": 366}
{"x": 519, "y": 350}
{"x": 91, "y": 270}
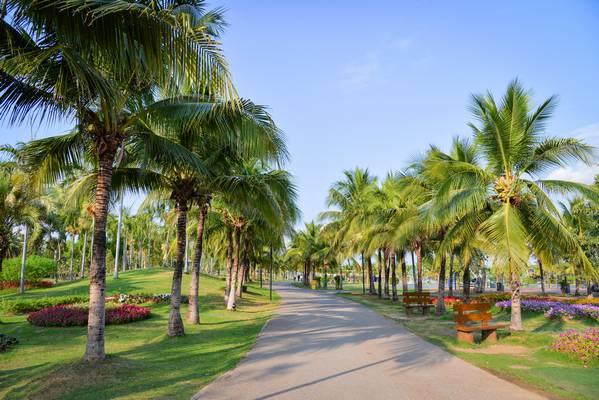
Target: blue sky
{"x": 372, "y": 84}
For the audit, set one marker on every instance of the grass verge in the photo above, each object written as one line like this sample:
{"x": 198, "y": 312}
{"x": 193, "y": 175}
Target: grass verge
{"x": 143, "y": 362}
{"x": 521, "y": 357}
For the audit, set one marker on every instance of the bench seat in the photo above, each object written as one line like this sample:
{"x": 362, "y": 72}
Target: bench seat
{"x": 475, "y": 317}
{"x": 476, "y": 328}
{"x": 420, "y": 300}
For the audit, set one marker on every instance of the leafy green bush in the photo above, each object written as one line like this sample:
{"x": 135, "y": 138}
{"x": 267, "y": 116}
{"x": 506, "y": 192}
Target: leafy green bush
{"x": 22, "y": 306}
{"x": 36, "y": 268}
{"x": 7, "y": 342}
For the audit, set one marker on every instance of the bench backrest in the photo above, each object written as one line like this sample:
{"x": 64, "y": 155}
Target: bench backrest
{"x": 473, "y": 313}
{"x": 417, "y": 298}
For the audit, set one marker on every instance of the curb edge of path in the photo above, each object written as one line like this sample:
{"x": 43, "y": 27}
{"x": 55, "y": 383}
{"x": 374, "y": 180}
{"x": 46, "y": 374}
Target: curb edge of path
{"x": 241, "y": 361}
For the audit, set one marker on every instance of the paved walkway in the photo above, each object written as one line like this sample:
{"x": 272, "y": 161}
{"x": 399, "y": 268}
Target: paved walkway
{"x": 319, "y": 346}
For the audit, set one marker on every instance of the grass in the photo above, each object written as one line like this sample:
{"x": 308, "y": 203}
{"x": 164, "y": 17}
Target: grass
{"x": 143, "y": 362}
{"x": 518, "y": 357}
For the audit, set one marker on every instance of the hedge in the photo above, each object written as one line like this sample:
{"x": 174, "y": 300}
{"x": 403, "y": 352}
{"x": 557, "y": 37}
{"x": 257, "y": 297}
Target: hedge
{"x": 36, "y": 268}
{"x": 23, "y": 306}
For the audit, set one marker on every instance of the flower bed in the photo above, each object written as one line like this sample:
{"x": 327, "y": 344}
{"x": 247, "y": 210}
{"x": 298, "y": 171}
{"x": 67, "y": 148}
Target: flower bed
{"x": 28, "y": 284}
{"x": 65, "y": 315}
{"x": 140, "y": 298}
{"x": 496, "y": 297}
{"x": 448, "y": 300}
{"x": 555, "y": 309}
{"x": 580, "y": 345}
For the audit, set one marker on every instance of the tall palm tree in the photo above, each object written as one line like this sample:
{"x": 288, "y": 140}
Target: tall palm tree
{"x": 255, "y": 196}
{"x": 350, "y": 198}
{"x": 73, "y": 58}
{"x": 504, "y": 204}
{"x": 304, "y": 247}
{"x": 579, "y": 220}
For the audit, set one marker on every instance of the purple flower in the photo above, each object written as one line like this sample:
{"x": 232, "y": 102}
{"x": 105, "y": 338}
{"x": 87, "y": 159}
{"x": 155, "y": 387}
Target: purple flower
{"x": 555, "y": 309}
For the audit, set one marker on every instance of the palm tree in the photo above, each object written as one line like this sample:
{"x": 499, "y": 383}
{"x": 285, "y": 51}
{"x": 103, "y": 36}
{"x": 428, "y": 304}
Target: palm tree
{"x": 74, "y": 59}
{"x": 579, "y": 220}
{"x": 350, "y": 198}
{"x": 504, "y": 205}
{"x": 304, "y": 246}
{"x": 19, "y": 205}
{"x": 255, "y": 196}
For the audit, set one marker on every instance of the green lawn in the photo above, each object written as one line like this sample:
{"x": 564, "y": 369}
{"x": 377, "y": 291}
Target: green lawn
{"x": 521, "y": 358}
{"x": 143, "y": 362}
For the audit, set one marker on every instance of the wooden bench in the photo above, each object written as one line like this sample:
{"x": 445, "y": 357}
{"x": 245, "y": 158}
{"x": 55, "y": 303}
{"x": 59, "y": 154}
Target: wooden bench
{"x": 421, "y": 300}
{"x": 473, "y": 317}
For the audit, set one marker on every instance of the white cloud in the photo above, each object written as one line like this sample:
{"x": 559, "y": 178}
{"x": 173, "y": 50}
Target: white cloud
{"x": 589, "y": 133}
{"x": 360, "y": 75}
{"x": 578, "y": 173}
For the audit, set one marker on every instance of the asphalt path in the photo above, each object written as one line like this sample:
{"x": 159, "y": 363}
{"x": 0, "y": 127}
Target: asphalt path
{"x": 320, "y": 346}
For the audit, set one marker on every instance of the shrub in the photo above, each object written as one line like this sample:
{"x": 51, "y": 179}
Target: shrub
{"x": 580, "y": 345}
{"x": 140, "y": 298}
{"x": 36, "y": 268}
{"x": 22, "y": 306}
{"x": 7, "y": 342}
{"x": 66, "y": 315}
{"x": 493, "y": 297}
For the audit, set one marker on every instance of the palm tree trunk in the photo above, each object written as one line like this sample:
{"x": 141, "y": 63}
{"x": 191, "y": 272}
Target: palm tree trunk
{"x": 91, "y": 242}
{"x": 241, "y": 279}
{"x": 124, "y": 254}
{"x": 404, "y": 272}
{"x": 23, "y": 261}
{"x": 542, "y": 277}
{"x": 393, "y": 277}
{"x": 363, "y": 275}
{"x": 229, "y": 263}
{"x": 483, "y": 283}
{"x": 82, "y": 273}
{"x": 451, "y": 277}
{"x": 97, "y": 272}
{"x": 419, "y": 264}
{"x": 241, "y": 275}
{"x": 414, "y": 276}
{"x": 193, "y": 316}
{"x": 466, "y": 282}
{"x": 516, "y": 315}
{"x": 186, "y": 267}
{"x": 149, "y": 252}
{"x": 380, "y": 283}
{"x": 387, "y": 258}
{"x": 175, "y": 323}
{"x": 58, "y": 260}
{"x": 371, "y": 289}
{"x": 72, "y": 256}
{"x": 236, "y": 250}
{"x": 168, "y": 232}
{"x": 118, "y": 237}
{"x": 440, "y": 310}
